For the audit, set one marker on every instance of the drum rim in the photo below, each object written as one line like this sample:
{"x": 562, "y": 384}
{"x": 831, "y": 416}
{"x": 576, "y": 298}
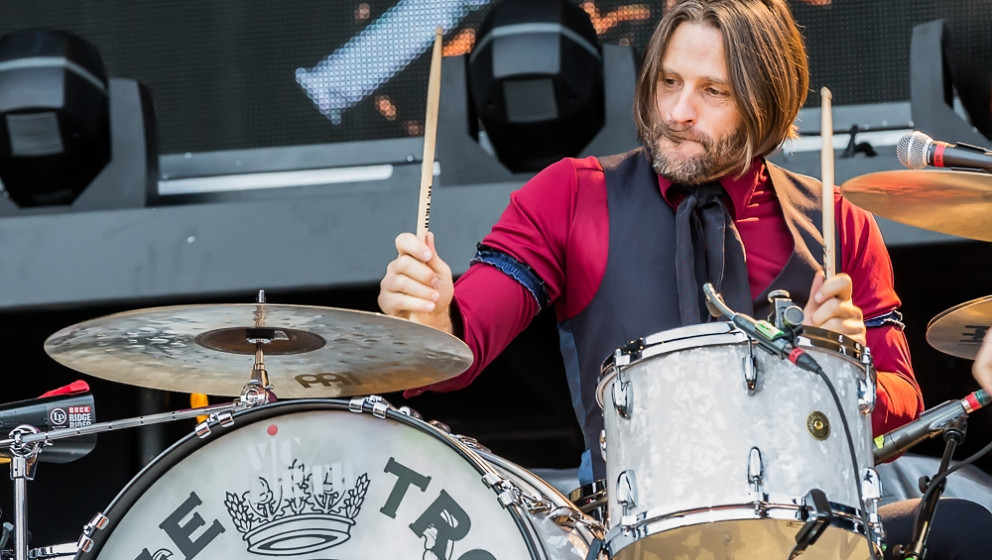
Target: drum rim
{"x": 619, "y": 537}
{"x": 125, "y": 499}
{"x": 719, "y": 333}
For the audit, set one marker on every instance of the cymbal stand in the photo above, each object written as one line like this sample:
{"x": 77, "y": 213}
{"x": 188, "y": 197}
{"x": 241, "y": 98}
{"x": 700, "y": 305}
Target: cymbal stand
{"x": 23, "y": 466}
{"x": 258, "y": 390}
{"x": 954, "y": 433}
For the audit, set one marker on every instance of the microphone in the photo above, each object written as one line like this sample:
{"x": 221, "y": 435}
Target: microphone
{"x": 917, "y": 150}
{"x": 768, "y": 336}
{"x": 928, "y": 425}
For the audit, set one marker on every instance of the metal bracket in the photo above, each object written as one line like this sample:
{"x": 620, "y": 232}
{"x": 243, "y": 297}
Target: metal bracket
{"x": 867, "y": 387}
{"x": 755, "y": 474}
{"x": 622, "y": 393}
{"x": 627, "y": 491}
{"x": 750, "y": 367}
{"x": 871, "y": 492}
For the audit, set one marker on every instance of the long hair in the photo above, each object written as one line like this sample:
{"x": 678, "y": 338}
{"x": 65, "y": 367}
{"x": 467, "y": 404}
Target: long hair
{"x": 766, "y": 65}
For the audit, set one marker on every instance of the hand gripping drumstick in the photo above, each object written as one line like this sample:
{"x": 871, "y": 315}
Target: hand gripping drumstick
{"x": 430, "y": 136}
{"x": 827, "y": 176}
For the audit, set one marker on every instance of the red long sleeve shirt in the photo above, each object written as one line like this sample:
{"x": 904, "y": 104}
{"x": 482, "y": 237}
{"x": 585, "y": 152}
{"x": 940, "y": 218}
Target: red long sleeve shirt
{"x": 535, "y": 229}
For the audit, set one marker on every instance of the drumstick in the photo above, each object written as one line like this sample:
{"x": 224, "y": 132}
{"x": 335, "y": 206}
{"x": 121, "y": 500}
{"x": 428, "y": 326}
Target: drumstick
{"x": 430, "y": 135}
{"x": 827, "y": 176}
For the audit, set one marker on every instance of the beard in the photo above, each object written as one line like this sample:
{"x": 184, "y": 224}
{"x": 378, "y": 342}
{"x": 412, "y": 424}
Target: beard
{"x": 718, "y": 155}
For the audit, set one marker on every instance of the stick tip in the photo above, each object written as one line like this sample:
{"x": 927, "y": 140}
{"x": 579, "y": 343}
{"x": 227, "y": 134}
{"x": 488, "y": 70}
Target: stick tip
{"x": 825, "y": 92}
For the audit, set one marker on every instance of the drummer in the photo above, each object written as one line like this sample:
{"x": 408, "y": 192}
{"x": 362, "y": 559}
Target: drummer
{"x": 621, "y": 245}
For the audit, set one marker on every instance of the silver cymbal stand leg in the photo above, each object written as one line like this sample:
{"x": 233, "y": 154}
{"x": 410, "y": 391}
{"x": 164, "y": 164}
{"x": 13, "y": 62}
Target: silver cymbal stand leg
{"x": 23, "y": 465}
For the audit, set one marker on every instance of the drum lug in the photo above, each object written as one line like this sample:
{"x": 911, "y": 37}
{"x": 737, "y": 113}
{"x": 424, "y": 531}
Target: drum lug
{"x": 627, "y": 491}
{"x": 471, "y": 443}
{"x": 440, "y": 426}
{"x": 223, "y": 419}
{"x": 565, "y": 517}
{"x": 85, "y": 542}
{"x": 867, "y": 389}
{"x": 623, "y": 394}
{"x": 378, "y": 404}
{"x": 755, "y": 474}
{"x": 407, "y": 411}
{"x": 871, "y": 493}
{"x": 750, "y": 366}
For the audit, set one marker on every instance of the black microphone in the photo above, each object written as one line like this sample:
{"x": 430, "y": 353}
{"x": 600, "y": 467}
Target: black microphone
{"x": 928, "y": 425}
{"x": 917, "y": 150}
{"x": 768, "y": 336}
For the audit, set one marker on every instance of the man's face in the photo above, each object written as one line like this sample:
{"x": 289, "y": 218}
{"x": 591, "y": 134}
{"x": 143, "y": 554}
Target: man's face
{"x": 698, "y": 136}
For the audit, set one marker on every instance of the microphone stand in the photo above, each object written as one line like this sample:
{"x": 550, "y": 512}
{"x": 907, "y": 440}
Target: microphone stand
{"x": 954, "y": 432}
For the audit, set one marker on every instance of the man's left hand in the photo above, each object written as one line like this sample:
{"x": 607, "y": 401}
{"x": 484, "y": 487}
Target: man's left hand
{"x": 830, "y": 307}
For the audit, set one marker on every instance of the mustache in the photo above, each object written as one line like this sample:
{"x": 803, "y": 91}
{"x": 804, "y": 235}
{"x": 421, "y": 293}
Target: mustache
{"x": 679, "y": 134}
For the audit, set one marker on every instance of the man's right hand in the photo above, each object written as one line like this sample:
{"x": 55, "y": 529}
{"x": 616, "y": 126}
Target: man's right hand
{"x": 418, "y": 284}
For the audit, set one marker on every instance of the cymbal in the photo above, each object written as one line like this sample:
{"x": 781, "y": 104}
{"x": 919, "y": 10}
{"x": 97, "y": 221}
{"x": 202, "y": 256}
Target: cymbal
{"x": 959, "y": 331}
{"x": 314, "y": 351}
{"x": 945, "y": 201}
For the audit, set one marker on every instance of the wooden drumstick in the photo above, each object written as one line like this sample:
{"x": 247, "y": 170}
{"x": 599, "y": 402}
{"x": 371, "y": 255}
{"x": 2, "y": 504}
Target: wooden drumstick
{"x": 827, "y": 176}
{"x": 430, "y": 136}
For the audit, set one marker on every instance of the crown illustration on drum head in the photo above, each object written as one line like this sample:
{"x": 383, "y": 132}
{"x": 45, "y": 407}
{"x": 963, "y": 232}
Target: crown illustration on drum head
{"x": 301, "y": 516}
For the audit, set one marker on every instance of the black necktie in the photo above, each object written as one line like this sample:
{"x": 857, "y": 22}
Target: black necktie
{"x": 708, "y": 248}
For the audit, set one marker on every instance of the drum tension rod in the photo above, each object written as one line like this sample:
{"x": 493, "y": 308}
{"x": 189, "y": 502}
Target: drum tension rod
{"x": 818, "y": 516}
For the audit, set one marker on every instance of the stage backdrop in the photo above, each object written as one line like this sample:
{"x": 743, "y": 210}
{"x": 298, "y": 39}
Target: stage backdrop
{"x": 234, "y": 74}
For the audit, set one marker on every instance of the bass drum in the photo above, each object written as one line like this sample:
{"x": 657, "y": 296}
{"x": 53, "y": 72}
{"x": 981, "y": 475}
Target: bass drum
{"x": 312, "y": 479}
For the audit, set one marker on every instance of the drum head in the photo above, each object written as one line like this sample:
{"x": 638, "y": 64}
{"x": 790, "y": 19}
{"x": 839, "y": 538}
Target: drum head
{"x": 309, "y": 479}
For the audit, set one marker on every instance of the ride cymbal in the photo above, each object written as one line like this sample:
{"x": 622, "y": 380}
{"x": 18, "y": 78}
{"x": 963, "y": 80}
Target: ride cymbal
{"x": 959, "y": 331}
{"x": 313, "y": 351}
{"x": 946, "y": 201}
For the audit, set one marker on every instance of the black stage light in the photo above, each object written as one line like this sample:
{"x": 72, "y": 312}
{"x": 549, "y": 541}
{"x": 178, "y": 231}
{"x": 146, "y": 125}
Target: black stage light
{"x": 54, "y": 116}
{"x": 536, "y": 81}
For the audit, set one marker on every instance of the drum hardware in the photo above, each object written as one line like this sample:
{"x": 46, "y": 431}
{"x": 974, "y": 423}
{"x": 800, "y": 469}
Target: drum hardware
{"x": 310, "y": 351}
{"x": 440, "y": 426}
{"x": 785, "y": 314}
{"x": 959, "y": 331}
{"x": 871, "y": 490}
{"x": 471, "y": 443}
{"x": 755, "y": 472}
{"x": 622, "y": 395}
{"x": 750, "y": 370}
{"x": 953, "y": 202}
{"x": 818, "y": 515}
{"x": 602, "y": 443}
{"x": 85, "y": 541}
{"x": 769, "y": 337}
{"x": 626, "y": 492}
{"x": 406, "y": 410}
{"x": 65, "y": 550}
{"x": 376, "y": 404}
{"x": 867, "y": 392}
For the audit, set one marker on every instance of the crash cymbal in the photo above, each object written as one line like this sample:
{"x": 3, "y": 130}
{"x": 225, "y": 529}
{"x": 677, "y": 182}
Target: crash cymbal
{"x": 314, "y": 351}
{"x": 959, "y": 330}
{"x": 946, "y": 201}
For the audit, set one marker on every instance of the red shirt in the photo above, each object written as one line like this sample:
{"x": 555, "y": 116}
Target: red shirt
{"x": 535, "y": 229}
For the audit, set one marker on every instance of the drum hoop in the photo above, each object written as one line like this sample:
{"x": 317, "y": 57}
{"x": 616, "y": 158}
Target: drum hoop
{"x": 122, "y": 503}
{"x": 619, "y": 536}
{"x": 721, "y": 333}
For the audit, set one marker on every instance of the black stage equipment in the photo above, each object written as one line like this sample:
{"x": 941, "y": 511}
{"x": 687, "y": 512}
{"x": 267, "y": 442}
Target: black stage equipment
{"x": 66, "y": 129}
{"x": 536, "y": 81}
{"x": 936, "y": 72}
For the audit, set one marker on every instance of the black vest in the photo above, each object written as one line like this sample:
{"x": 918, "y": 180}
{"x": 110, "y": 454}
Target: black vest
{"x": 638, "y": 295}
